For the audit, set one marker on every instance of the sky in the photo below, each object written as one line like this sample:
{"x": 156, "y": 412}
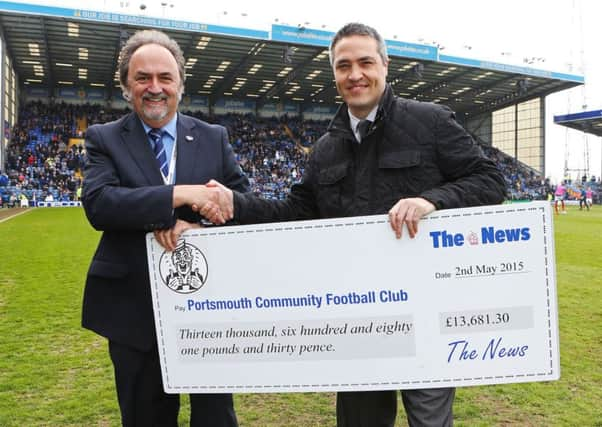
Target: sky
{"x": 561, "y": 36}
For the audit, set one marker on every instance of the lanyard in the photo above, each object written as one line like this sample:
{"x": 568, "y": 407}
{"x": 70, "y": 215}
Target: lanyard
{"x": 170, "y": 178}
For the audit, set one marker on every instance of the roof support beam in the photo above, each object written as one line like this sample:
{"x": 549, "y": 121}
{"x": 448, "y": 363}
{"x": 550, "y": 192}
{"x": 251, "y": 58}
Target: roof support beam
{"x": 236, "y": 71}
{"x": 49, "y": 74}
{"x": 123, "y": 37}
{"x": 279, "y": 87}
{"x": 187, "y": 53}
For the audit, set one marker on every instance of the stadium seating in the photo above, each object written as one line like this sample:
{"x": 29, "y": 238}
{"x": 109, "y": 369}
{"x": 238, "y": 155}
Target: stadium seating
{"x": 272, "y": 151}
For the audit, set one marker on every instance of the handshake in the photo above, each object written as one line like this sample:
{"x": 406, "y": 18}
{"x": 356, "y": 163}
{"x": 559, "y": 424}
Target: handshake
{"x": 214, "y": 201}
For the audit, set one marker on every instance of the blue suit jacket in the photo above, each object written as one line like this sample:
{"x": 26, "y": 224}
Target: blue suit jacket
{"x": 124, "y": 196}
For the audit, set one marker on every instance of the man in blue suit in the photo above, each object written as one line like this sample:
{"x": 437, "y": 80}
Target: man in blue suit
{"x": 144, "y": 173}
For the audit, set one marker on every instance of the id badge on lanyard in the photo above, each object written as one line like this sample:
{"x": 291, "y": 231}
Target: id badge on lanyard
{"x": 170, "y": 178}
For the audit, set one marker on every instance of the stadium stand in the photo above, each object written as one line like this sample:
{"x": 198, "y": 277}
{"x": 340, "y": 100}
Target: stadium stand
{"x": 45, "y": 155}
{"x": 217, "y": 58}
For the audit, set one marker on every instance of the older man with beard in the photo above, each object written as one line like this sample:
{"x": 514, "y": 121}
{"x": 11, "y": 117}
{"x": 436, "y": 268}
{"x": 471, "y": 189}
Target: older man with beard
{"x": 143, "y": 173}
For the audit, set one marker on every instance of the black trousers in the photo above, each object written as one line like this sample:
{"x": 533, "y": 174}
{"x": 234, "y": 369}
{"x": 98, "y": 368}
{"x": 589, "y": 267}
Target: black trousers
{"x": 143, "y": 403}
{"x": 424, "y": 408}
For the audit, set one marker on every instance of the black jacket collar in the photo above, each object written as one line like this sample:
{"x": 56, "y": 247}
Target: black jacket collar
{"x": 340, "y": 121}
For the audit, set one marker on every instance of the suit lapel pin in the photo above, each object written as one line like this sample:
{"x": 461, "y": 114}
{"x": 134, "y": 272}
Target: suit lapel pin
{"x": 188, "y": 138}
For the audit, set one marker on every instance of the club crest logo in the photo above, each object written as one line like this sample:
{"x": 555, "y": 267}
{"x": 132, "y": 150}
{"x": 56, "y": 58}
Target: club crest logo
{"x": 185, "y": 269}
{"x": 473, "y": 239}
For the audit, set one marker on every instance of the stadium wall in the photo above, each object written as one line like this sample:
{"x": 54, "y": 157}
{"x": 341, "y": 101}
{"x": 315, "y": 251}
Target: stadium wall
{"x": 9, "y": 90}
{"x": 480, "y": 128}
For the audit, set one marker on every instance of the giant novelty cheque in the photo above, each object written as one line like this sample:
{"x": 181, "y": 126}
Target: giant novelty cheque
{"x": 342, "y": 304}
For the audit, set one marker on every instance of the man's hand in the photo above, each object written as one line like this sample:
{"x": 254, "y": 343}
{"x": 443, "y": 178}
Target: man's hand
{"x": 409, "y": 211}
{"x": 169, "y": 238}
{"x": 225, "y": 200}
{"x": 203, "y": 199}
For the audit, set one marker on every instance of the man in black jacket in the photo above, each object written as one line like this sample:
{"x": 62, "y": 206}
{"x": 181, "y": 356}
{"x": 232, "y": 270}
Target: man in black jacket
{"x": 383, "y": 154}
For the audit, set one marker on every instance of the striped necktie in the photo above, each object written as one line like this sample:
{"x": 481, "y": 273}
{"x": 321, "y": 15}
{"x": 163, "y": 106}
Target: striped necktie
{"x": 156, "y": 136}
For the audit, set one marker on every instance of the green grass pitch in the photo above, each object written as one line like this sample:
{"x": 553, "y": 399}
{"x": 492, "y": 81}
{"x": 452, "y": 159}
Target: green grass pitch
{"x": 54, "y": 373}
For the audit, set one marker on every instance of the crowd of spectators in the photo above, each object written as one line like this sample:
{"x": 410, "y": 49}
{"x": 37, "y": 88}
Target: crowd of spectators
{"x": 522, "y": 182}
{"x": 40, "y": 163}
{"x": 271, "y": 151}
{"x": 45, "y": 155}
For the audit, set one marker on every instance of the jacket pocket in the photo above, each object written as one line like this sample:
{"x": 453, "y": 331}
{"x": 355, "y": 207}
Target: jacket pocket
{"x": 333, "y": 174}
{"x": 110, "y": 270}
{"x": 401, "y": 174}
{"x": 331, "y": 181}
{"x": 399, "y": 159}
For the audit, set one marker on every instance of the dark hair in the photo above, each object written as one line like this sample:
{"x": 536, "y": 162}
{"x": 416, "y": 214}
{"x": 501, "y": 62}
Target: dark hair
{"x": 139, "y": 39}
{"x": 357, "y": 29}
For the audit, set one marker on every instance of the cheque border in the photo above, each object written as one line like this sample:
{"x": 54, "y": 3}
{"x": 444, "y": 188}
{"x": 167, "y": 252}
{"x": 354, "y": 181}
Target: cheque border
{"x": 548, "y": 250}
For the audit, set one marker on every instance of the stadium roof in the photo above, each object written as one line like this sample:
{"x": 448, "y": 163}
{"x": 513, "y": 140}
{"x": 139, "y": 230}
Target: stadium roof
{"x": 586, "y": 121}
{"x": 60, "y": 47}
